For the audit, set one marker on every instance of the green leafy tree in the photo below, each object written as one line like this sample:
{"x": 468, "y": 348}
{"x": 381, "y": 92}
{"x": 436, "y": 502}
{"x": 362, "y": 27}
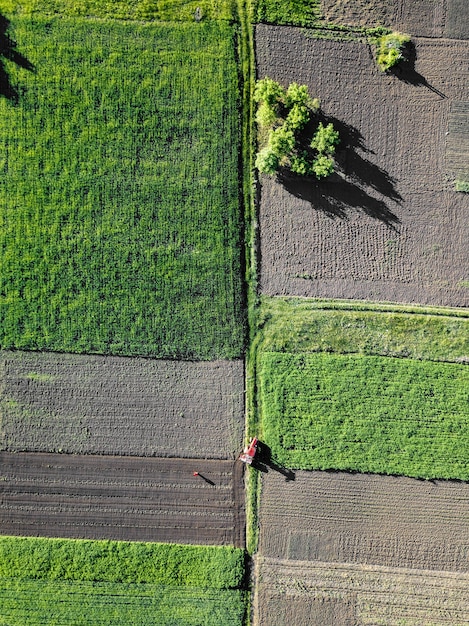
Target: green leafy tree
{"x": 326, "y": 139}
{"x": 299, "y": 94}
{"x": 297, "y": 118}
{"x": 281, "y": 141}
{"x": 323, "y": 166}
{"x": 267, "y": 162}
{"x": 269, "y": 91}
{"x": 390, "y": 50}
{"x": 266, "y": 115}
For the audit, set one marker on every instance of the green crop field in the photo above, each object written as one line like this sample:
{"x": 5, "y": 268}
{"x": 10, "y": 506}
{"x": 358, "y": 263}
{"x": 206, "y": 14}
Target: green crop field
{"x": 60, "y": 582}
{"x": 168, "y": 10}
{"x": 120, "y": 225}
{"x": 363, "y": 386}
{"x": 366, "y": 413}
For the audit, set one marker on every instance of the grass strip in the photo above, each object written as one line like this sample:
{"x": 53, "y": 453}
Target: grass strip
{"x": 366, "y": 413}
{"x": 304, "y": 325}
{"x": 164, "y": 10}
{"x": 120, "y": 220}
{"x": 39, "y": 558}
{"x": 61, "y": 603}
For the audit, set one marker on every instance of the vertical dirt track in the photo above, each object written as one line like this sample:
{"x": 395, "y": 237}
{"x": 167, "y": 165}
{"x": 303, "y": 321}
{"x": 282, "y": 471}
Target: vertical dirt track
{"x": 122, "y": 498}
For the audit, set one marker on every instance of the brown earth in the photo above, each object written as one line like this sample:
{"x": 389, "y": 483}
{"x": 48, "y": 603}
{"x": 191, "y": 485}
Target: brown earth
{"x": 367, "y": 519}
{"x": 425, "y": 18}
{"x": 122, "y": 498}
{"x": 308, "y": 593}
{"x": 122, "y": 406}
{"x": 353, "y": 549}
{"x": 389, "y": 226}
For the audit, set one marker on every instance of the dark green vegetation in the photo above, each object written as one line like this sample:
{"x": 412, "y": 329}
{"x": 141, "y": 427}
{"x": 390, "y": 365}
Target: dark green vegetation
{"x": 61, "y": 582}
{"x": 286, "y": 139}
{"x": 333, "y": 393}
{"x": 391, "y": 50}
{"x": 167, "y": 10}
{"x": 119, "y": 197}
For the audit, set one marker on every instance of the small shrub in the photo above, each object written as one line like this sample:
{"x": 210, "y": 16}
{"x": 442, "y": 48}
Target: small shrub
{"x": 462, "y": 185}
{"x": 299, "y": 164}
{"x": 391, "y": 50}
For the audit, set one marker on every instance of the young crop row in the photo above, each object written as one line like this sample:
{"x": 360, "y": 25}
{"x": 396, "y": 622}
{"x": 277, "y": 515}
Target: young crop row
{"x": 119, "y": 196}
{"x": 60, "y": 582}
{"x": 365, "y": 413}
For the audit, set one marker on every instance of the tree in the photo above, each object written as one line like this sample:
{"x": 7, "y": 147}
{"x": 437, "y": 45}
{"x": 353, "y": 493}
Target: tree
{"x": 284, "y": 117}
{"x": 391, "y": 49}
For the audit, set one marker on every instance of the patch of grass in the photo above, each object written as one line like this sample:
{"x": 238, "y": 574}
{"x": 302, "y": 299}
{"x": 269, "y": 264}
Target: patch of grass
{"x": 294, "y": 12}
{"x": 302, "y": 325}
{"x": 121, "y": 562}
{"x": 164, "y": 10}
{"x": 58, "y": 582}
{"x": 462, "y": 185}
{"x": 120, "y": 219}
{"x": 366, "y": 413}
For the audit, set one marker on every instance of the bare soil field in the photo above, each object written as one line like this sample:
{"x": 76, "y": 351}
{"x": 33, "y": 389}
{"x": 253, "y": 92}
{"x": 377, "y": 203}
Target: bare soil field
{"x": 356, "y": 549}
{"x": 364, "y": 518}
{"x": 122, "y": 498}
{"x": 389, "y": 225}
{"x": 122, "y": 406}
{"x": 317, "y": 594}
{"x": 425, "y": 18}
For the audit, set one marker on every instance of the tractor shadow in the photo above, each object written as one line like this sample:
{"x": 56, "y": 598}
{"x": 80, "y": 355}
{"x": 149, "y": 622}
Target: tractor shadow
{"x": 350, "y": 186}
{"x": 9, "y": 52}
{"x": 405, "y": 71}
{"x": 263, "y": 462}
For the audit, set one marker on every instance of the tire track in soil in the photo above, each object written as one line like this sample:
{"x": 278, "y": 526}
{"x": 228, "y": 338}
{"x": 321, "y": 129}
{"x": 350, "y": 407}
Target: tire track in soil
{"x": 366, "y": 519}
{"x": 122, "y": 498}
{"x": 356, "y": 594}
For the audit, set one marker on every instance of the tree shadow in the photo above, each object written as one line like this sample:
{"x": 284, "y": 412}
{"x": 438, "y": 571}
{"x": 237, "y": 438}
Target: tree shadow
{"x": 263, "y": 462}
{"x": 346, "y": 188}
{"x": 8, "y": 51}
{"x": 405, "y": 70}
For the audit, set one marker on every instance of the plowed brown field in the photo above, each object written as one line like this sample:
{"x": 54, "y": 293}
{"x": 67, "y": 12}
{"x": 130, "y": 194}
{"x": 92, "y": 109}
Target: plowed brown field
{"x": 123, "y": 498}
{"x": 354, "y": 549}
{"x": 308, "y": 593}
{"x": 122, "y": 406}
{"x": 390, "y": 225}
{"x": 425, "y": 18}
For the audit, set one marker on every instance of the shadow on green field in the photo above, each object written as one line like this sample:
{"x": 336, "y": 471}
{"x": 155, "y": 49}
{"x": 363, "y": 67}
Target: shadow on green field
{"x": 263, "y": 462}
{"x": 9, "y": 52}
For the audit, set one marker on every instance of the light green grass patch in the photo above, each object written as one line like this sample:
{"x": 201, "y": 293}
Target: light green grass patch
{"x": 306, "y": 325}
{"x": 120, "y": 225}
{"x": 366, "y": 413}
{"x": 60, "y": 582}
{"x": 297, "y": 12}
{"x": 166, "y": 10}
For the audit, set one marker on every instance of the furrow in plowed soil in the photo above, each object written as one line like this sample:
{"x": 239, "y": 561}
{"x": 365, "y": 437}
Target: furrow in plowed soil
{"x": 126, "y": 498}
{"x": 90, "y": 404}
{"x": 368, "y": 519}
{"x": 347, "y": 594}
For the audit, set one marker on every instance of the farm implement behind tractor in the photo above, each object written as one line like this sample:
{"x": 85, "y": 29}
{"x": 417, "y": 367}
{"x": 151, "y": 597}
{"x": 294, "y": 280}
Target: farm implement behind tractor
{"x": 249, "y": 452}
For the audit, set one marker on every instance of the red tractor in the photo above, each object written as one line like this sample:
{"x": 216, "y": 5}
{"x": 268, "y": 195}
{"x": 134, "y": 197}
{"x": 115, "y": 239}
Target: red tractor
{"x": 249, "y": 452}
